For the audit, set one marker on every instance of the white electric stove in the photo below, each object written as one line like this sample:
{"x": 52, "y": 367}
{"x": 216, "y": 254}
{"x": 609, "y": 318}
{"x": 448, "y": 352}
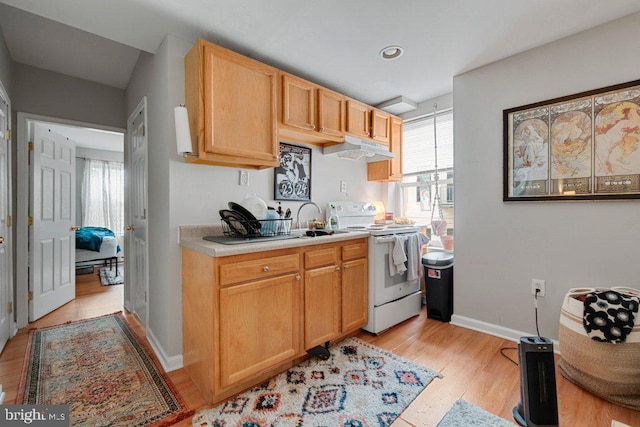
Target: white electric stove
{"x": 392, "y": 299}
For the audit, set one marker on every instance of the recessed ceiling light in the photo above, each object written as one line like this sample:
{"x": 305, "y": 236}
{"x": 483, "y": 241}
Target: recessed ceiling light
{"x": 391, "y": 52}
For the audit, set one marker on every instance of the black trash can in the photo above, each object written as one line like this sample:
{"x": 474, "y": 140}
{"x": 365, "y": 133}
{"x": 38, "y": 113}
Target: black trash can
{"x": 438, "y": 276}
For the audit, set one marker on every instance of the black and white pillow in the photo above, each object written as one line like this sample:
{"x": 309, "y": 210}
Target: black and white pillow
{"x": 609, "y": 316}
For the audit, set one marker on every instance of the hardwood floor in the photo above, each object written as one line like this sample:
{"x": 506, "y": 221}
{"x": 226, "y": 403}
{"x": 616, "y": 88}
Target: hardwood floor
{"x": 470, "y": 362}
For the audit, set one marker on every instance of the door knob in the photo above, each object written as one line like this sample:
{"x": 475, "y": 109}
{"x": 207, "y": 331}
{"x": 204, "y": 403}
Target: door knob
{"x": 130, "y": 227}
{"x": 1, "y": 239}
{"x": 75, "y": 228}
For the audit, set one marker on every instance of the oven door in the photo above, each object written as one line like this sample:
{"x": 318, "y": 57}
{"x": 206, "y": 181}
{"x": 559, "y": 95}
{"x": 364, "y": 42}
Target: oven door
{"x": 384, "y": 287}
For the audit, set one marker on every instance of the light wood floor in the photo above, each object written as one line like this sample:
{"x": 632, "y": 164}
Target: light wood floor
{"x": 471, "y": 363}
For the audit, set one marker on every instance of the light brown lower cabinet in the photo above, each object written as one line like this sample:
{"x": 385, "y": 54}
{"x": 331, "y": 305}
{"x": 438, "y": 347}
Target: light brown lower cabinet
{"x": 259, "y": 326}
{"x": 240, "y": 329}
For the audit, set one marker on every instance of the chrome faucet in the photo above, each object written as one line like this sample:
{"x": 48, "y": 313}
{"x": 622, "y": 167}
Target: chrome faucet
{"x": 302, "y": 206}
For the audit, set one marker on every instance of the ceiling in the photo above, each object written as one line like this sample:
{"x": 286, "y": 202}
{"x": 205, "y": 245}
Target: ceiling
{"x": 334, "y": 43}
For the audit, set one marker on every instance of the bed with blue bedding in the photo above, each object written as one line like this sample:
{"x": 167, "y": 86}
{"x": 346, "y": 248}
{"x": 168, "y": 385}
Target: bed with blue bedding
{"x": 97, "y": 244}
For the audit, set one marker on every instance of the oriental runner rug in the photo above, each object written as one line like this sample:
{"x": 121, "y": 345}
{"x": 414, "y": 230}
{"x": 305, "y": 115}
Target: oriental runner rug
{"x": 359, "y": 385}
{"x": 105, "y": 373}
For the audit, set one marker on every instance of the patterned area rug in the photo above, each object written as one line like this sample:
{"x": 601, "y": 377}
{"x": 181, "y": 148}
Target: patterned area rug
{"x": 108, "y": 276}
{"x": 464, "y": 414}
{"x": 359, "y": 385}
{"x": 106, "y": 375}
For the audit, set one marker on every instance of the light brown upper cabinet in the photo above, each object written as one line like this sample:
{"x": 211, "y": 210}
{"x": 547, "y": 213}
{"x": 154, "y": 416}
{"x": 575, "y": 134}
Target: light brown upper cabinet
{"x": 310, "y": 113}
{"x": 232, "y": 104}
{"x": 358, "y": 119}
{"x": 389, "y": 170}
{"x": 380, "y": 126}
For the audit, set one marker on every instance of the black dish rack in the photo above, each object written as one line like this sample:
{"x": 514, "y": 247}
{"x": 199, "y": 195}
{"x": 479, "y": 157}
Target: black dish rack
{"x": 237, "y": 227}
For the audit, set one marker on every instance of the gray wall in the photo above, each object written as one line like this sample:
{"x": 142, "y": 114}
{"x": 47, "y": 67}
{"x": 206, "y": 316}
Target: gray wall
{"x": 5, "y": 65}
{"x": 500, "y": 246}
{"x": 51, "y": 94}
{"x": 151, "y": 79}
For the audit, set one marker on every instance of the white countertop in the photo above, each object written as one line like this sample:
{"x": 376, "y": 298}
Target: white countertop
{"x": 191, "y": 237}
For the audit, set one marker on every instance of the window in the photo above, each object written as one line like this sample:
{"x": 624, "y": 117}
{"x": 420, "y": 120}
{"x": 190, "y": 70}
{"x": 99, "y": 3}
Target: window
{"x": 103, "y": 195}
{"x": 419, "y": 164}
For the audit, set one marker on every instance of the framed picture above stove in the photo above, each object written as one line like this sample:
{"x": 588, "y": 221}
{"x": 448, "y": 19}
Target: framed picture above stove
{"x": 292, "y": 179}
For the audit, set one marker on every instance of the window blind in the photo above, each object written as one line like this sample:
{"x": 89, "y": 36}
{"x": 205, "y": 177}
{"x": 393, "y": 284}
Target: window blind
{"x": 418, "y": 145}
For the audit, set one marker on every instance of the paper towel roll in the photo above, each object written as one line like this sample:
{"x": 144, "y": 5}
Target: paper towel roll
{"x": 183, "y": 135}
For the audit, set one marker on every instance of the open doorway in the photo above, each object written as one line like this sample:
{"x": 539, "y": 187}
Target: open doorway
{"x": 91, "y": 193}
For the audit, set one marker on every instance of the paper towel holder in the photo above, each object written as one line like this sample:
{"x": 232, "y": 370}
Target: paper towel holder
{"x": 183, "y": 133}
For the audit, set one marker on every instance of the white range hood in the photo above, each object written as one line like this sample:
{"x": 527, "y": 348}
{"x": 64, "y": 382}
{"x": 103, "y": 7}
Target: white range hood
{"x": 355, "y": 149}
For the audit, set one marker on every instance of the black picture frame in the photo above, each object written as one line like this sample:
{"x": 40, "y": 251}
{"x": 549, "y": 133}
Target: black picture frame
{"x": 584, "y": 146}
{"x": 292, "y": 179}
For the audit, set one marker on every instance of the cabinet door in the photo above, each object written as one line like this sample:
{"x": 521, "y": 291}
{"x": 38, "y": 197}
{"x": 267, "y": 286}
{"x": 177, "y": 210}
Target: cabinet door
{"x": 358, "y": 116}
{"x": 259, "y": 326}
{"x": 298, "y": 103}
{"x": 331, "y": 113}
{"x": 240, "y": 116}
{"x": 321, "y": 305}
{"x": 395, "y": 146}
{"x": 380, "y": 126}
{"x": 354, "y": 294}
{"x": 389, "y": 170}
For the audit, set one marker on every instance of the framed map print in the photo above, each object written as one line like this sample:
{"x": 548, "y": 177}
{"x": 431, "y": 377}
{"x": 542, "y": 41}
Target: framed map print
{"x": 579, "y": 147}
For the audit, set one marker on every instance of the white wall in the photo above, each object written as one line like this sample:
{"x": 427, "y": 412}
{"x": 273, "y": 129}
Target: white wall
{"x": 501, "y": 246}
{"x": 186, "y": 194}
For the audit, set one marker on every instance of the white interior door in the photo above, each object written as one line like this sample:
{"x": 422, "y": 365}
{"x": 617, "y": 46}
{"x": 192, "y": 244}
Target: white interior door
{"x": 136, "y": 255}
{"x": 52, "y": 238}
{"x": 5, "y": 259}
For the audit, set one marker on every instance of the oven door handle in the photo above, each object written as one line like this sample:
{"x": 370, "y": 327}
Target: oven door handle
{"x": 387, "y": 239}
{"x": 383, "y": 239}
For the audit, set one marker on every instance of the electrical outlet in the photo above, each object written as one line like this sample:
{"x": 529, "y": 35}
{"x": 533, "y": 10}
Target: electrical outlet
{"x": 537, "y": 285}
{"x": 343, "y": 186}
{"x": 244, "y": 178}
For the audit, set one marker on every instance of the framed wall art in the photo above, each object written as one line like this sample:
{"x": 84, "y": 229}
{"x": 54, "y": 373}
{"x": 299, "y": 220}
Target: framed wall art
{"x": 292, "y": 179}
{"x": 579, "y": 147}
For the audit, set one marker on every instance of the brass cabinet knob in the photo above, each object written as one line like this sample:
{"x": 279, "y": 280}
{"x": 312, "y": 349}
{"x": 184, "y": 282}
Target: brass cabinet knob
{"x": 346, "y": 266}
{"x": 75, "y": 228}
{"x": 298, "y": 277}
{"x": 265, "y": 268}
{"x": 130, "y": 227}
{"x": 1, "y": 239}
{"x": 337, "y": 268}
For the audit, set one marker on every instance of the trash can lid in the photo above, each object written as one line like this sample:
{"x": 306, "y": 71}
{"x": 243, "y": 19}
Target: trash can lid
{"x": 437, "y": 258}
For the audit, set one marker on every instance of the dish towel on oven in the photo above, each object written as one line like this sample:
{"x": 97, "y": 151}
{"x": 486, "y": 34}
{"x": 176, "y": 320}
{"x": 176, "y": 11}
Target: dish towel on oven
{"x": 415, "y": 242}
{"x": 397, "y": 255}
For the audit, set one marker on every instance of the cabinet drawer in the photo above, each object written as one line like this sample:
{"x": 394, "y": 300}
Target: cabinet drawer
{"x": 354, "y": 251}
{"x": 320, "y": 257}
{"x": 258, "y": 269}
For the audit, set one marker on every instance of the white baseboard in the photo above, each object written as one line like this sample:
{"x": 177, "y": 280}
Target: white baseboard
{"x": 495, "y": 330}
{"x": 168, "y": 363}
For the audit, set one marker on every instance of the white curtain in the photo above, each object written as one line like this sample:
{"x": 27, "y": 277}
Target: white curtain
{"x": 103, "y": 195}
